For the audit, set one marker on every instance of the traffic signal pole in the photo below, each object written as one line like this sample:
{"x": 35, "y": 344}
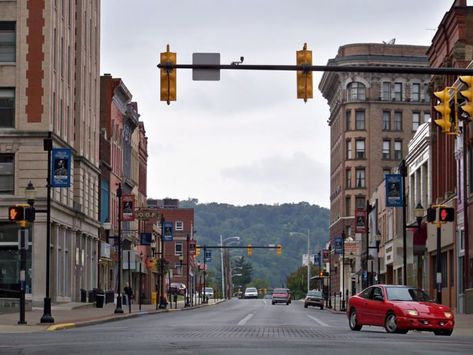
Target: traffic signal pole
{"x": 439, "y": 262}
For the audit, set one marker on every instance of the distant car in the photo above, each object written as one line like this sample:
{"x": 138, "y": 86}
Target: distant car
{"x": 251, "y": 292}
{"x": 281, "y": 295}
{"x": 208, "y": 292}
{"x": 399, "y": 309}
{"x": 314, "y": 298}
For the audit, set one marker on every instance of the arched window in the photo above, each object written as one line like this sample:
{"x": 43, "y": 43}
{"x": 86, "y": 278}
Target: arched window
{"x": 356, "y": 91}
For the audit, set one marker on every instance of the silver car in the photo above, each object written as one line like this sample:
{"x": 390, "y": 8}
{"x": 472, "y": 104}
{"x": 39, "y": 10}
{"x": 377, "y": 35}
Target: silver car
{"x": 251, "y": 292}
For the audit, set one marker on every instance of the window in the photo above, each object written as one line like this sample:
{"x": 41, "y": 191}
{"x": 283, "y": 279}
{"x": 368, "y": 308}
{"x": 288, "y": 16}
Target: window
{"x": 398, "y": 121}
{"x": 356, "y": 91}
{"x": 178, "y": 268}
{"x": 398, "y": 91}
{"x": 386, "y": 120}
{"x": 386, "y": 149}
{"x": 348, "y": 120}
{"x": 348, "y": 179}
{"x": 360, "y": 149}
{"x": 415, "y": 92}
{"x": 415, "y": 120}
{"x": 426, "y": 117}
{"x": 179, "y": 225}
{"x": 386, "y": 96}
{"x": 360, "y": 120}
{"x": 7, "y": 170}
{"x": 348, "y": 206}
{"x": 360, "y": 178}
{"x": 178, "y": 249}
{"x": 360, "y": 202}
{"x": 398, "y": 150}
{"x": 7, "y": 41}
{"x": 349, "y": 150}
{"x": 7, "y": 107}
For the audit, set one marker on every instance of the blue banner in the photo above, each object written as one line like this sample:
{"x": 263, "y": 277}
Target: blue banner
{"x": 167, "y": 232}
{"x": 208, "y": 256}
{"x": 394, "y": 196}
{"x": 61, "y": 167}
{"x": 338, "y": 245}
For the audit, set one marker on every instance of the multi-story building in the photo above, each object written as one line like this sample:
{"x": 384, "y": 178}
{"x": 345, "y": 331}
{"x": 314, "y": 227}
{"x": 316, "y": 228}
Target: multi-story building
{"x": 452, "y": 174}
{"x": 49, "y": 84}
{"x": 123, "y": 164}
{"x": 372, "y": 118}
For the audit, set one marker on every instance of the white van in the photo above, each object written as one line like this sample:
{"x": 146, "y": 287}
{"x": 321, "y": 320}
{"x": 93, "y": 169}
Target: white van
{"x": 208, "y": 292}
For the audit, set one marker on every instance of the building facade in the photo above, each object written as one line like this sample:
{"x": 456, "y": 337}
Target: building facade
{"x": 372, "y": 118}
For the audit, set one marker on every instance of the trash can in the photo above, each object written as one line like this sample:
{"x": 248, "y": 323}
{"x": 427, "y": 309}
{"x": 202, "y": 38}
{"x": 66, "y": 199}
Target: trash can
{"x": 83, "y": 295}
{"x": 91, "y": 296}
{"x": 99, "y": 300}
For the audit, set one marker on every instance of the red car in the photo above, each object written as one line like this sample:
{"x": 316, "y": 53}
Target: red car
{"x": 399, "y": 309}
{"x": 281, "y": 295}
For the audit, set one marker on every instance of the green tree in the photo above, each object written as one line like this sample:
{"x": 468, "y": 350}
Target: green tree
{"x": 243, "y": 267}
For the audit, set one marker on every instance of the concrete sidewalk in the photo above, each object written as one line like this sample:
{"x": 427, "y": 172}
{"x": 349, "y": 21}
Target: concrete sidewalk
{"x": 70, "y": 315}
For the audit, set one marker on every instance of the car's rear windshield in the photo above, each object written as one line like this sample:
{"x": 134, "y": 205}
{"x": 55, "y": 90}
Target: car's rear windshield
{"x": 280, "y": 290}
{"x": 407, "y": 294}
{"x": 314, "y": 293}
{"x": 251, "y": 289}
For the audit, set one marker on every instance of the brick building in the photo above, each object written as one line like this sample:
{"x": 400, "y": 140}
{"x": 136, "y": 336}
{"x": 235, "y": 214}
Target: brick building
{"x": 372, "y": 118}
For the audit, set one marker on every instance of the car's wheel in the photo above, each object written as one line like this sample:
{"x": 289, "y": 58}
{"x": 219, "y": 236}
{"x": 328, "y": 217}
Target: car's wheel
{"x": 287, "y": 303}
{"x": 273, "y": 303}
{"x": 306, "y": 306}
{"x": 446, "y": 332}
{"x": 321, "y": 307}
{"x": 390, "y": 324}
{"x": 353, "y": 322}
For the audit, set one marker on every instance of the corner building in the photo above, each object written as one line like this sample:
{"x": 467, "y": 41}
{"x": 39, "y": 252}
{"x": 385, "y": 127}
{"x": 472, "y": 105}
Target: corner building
{"x": 49, "y": 84}
{"x": 372, "y": 118}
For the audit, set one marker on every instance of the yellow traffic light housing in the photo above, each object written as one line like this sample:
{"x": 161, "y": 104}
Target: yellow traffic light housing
{"x": 443, "y": 108}
{"x": 168, "y": 76}
{"x": 467, "y": 94}
{"x": 197, "y": 250}
{"x": 279, "y": 250}
{"x": 249, "y": 249}
{"x": 304, "y": 77}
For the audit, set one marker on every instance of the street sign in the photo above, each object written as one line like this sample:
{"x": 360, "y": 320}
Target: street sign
{"x": 208, "y": 256}
{"x": 145, "y": 214}
{"x": 206, "y": 59}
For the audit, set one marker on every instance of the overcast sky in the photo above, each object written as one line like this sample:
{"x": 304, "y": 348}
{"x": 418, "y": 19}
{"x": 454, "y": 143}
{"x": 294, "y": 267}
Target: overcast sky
{"x": 245, "y": 139}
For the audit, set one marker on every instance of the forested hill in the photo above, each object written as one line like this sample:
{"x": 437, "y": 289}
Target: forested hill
{"x": 262, "y": 225}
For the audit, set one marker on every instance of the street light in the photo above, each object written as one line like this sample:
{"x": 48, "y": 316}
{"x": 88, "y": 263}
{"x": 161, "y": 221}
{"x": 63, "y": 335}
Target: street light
{"x": 308, "y": 254}
{"x": 140, "y": 288}
{"x": 118, "y": 308}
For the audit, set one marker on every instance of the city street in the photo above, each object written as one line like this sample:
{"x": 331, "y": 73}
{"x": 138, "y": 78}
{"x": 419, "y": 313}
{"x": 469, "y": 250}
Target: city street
{"x": 233, "y": 327}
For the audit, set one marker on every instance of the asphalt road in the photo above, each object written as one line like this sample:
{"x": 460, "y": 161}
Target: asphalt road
{"x": 234, "y": 327}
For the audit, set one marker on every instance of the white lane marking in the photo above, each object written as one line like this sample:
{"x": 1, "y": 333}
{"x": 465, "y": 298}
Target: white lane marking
{"x": 319, "y": 321}
{"x": 246, "y": 319}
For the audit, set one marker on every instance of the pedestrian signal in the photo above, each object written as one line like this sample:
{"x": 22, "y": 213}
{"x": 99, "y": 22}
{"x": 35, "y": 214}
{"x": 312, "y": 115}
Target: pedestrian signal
{"x": 16, "y": 213}
{"x": 446, "y": 214}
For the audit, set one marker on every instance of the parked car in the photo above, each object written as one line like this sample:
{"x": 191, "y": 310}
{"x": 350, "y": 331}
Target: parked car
{"x": 208, "y": 292}
{"x": 251, "y": 292}
{"x": 314, "y": 298}
{"x": 399, "y": 309}
{"x": 281, "y": 295}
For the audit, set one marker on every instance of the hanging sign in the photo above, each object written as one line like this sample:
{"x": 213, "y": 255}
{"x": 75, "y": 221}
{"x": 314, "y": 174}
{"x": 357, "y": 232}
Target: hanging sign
{"x": 61, "y": 167}
{"x": 393, "y": 185}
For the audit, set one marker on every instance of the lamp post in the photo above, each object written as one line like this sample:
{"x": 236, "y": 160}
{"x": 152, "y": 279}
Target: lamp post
{"x": 140, "y": 282}
{"x": 308, "y": 254}
{"x": 403, "y": 172}
{"x": 342, "y": 305}
{"x": 188, "y": 302}
{"x": 47, "y": 317}
{"x": 118, "y": 308}
{"x": 162, "y": 302}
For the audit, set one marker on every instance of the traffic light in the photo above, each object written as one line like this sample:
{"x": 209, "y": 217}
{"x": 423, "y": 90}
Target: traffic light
{"x": 29, "y": 213}
{"x": 279, "y": 250}
{"x": 304, "y": 77}
{"x": 467, "y": 94}
{"x": 16, "y": 213}
{"x": 197, "y": 250}
{"x": 321, "y": 274}
{"x": 168, "y": 76}
{"x": 444, "y": 109}
{"x": 249, "y": 249}
{"x": 446, "y": 214}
